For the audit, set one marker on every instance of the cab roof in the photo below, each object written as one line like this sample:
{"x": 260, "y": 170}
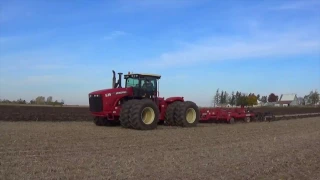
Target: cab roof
{"x": 145, "y": 74}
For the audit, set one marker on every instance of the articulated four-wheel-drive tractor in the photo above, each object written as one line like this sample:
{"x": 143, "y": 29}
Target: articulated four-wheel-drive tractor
{"x": 137, "y": 105}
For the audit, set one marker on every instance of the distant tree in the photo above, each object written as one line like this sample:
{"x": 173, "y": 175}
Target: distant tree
{"x": 232, "y": 99}
{"x": 301, "y": 101}
{"x": 20, "y": 101}
{"x": 221, "y": 98}
{"x": 237, "y": 98}
{"x": 6, "y": 101}
{"x": 313, "y": 97}
{"x": 264, "y": 99}
{"x": 226, "y": 97}
{"x": 55, "y": 103}
{"x": 32, "y": 101}
{"x": 306, "y": 100}
{"x": 229, "y": 99}
{"x": 40, "y": 100}
{"x": 213, "y": 101}
{"x": 242, "y": 100}
{"x": 272, "y": 98}
{"x": 49, "y": 100}
{"x": 258, "y": 97}
{"x": 216, "y": 98}
{"x": 251, "y": 100}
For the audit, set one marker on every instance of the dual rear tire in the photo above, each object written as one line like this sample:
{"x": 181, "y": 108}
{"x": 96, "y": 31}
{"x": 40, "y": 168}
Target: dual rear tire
{"x": 185, "y": 114}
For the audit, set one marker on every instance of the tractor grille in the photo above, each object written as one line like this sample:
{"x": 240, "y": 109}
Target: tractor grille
{"x": 95, "y": 103}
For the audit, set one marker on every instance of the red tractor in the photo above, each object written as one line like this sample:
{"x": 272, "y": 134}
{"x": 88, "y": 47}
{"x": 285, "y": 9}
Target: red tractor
{"x": 137, "y": 105}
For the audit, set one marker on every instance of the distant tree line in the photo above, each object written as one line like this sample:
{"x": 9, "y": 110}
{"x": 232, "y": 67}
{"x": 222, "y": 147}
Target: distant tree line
{"x": 243, "y": 99}
{"x": 235, "y": 98}
{"x": 40, "y": 100}
{"x": 312, "y": 98}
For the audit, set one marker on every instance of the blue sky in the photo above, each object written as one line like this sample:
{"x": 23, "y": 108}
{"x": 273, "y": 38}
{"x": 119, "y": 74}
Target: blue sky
{"x": 67, "y": 49}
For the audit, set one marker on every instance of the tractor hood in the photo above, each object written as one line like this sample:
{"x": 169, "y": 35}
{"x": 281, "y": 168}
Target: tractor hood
{"x": 112, "y": 92}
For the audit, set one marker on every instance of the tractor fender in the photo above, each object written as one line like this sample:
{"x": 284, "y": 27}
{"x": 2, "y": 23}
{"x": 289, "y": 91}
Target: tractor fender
{"x": 174, "y": 99}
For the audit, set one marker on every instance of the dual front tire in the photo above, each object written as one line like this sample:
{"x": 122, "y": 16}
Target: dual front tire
{"x": 139, "y": 114}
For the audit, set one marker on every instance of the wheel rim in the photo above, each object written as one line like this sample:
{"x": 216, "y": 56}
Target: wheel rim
{"x": 191, "y": 115}
{"x": 147, "y": 115}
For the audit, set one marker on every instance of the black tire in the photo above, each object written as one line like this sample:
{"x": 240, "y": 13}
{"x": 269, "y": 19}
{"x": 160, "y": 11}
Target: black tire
{"x": 231, "y": 121}
{"x": 169, "y": 116}
{"x": 253, "y": 118}
{"x": 125, "y": 114}
{"x": 136, "y": 111}
{"x": 111, "y": 123}
{"x": 181, "y": 113}
{"x": 259, "y": 116}
{"x": 247, "y": 119}
{"x": 98, "y": 121}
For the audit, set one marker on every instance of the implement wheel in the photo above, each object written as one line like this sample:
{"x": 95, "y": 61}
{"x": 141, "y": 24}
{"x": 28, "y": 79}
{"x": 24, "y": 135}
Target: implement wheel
{"x": 247, "y": 119}
{"x": 231, "y": 121}
{"x": 187, "y": 114}
{"x": 144, "y": 115}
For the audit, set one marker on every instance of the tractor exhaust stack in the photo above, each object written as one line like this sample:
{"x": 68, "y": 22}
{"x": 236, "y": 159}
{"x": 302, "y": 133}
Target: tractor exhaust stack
{"x": 119, "y": 80}
{"x": 114, "y": 79}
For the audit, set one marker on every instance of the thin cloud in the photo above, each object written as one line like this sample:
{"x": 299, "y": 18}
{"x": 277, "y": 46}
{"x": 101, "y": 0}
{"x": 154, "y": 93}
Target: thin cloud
{"x": 12, "y": 10}
{"x": 139, "y": 5}
{"x": 55, "y": 79}
{"x": 298, "y": 5}
{"x": 114, "y": 35}
{"x": 219, "y": 49}
{"x": 50, "y": 66}
{"x": 8, "y": 41}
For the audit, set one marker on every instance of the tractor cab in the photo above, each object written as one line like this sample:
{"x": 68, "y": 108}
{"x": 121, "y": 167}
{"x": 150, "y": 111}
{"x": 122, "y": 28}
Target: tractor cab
{"x": 143, "y": 85}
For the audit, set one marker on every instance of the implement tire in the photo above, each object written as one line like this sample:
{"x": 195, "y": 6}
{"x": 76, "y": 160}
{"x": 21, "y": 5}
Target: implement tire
{"x": 187, "y": 114}
{"x": 144, "y": 115}
{"x": 231, "y": 121}
{"x": 125, "y": 113}
{"x": 169, "y": 118}
{"x": 247, "y": 119}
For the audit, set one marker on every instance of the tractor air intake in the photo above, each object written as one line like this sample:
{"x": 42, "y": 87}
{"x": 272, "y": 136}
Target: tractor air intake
{"x": 95, "y": 103}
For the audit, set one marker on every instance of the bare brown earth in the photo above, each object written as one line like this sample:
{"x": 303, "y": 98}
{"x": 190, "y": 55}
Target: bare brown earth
{"x": 81, "y": 150}
{"x": 49, "y": 113}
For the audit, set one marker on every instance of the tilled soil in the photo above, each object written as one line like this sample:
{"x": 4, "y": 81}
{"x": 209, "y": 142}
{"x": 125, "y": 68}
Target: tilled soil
{"x": 49, "y": 113}
{"x": 80, "y": 150}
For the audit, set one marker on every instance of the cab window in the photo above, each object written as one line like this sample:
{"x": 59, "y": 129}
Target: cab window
{"x": 132, "y": 82}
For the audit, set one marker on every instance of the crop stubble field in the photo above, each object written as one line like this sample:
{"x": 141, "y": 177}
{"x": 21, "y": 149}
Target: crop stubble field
{"x": 80, "y": 150}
